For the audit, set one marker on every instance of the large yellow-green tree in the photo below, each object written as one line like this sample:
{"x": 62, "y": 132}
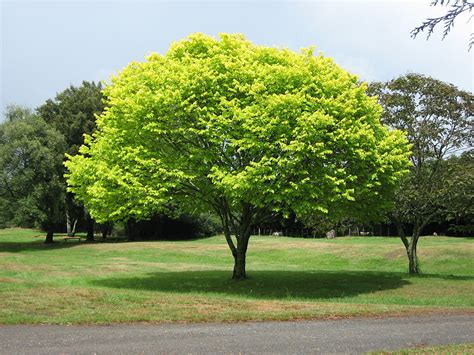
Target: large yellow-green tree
{"x": 239, "y": 129}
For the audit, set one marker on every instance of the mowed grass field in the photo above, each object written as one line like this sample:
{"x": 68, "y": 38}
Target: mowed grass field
{"x": 189, "y": 281}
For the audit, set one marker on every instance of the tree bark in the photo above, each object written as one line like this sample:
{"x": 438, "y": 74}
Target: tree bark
{"x": 104, "y": 232}
{"x": 412, "y": 260}
{"x": 243, "y": 236}
{"x": 410, "y": 247}
{"x": 241, "y": 228}
{"x": 239, "y": 266}
{"x": 49, "y": 236}
{"x": 413, "y": 267}
{"x": 68, "y": 224}
{"x": 90, "y": 228}
{"x": 73, "y": 231}
{"x": 240, "y": 257}
{"x": 129, "y": 230}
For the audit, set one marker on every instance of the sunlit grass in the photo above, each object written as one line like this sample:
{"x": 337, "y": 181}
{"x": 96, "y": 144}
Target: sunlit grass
{"x": 442, "y": 349}
{"x": 79, "y": 282}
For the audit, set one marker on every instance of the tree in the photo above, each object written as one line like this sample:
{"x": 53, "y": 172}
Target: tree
{"x": 16, "y": 112}
{"x": 238, "y": 129}
{"x": 31, "y": 170}
{"x": 457, "y": 8}
{"x": 458, "y": 192}
{"x": 72, "y": 112}
{"x": 438, "y": 120}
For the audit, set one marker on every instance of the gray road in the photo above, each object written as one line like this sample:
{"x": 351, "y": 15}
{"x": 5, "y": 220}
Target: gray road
{"x": 339, "y": 336}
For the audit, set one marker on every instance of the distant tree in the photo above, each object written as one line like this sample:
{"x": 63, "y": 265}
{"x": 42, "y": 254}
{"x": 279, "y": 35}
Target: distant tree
{"x": 238, "y": 129}
{"x": 31, "y": 169}
{"x": 438, "y": 120}
{"x": 72, "y": 112}
{"x": 16, "y": 112}
{"x": 458, "y": 192}
{"x": 457, "y": 7}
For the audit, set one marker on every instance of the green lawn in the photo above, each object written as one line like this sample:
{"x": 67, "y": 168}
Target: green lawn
{"x": 79, "y": 282}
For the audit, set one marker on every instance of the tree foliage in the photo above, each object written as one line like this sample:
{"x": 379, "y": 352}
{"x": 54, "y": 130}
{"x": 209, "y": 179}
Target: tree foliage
{"x": 438, "y": 120}
{"x": 16, "y": 112}
{"x": 458, "y": 192}
{"x": 31, "y": 183}
{"x": 72, "y": 112}
{"x": 238, "y": 129}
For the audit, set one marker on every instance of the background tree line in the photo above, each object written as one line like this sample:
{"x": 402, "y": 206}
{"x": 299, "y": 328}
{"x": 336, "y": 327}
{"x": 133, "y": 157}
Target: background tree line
{"x": 33, "y": 193}
{"x": 436, "y": 196}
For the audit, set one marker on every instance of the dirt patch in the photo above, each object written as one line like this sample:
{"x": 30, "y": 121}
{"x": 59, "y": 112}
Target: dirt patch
{"x": 394, "y": 254}
{"x": 10, "y": 280}
{"x": 158, "y": 245}
{"x": 25, "y": 267}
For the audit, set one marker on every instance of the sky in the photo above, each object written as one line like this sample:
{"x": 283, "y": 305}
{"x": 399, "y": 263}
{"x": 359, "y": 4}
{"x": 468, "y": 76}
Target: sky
{"x": 47, "y": 46}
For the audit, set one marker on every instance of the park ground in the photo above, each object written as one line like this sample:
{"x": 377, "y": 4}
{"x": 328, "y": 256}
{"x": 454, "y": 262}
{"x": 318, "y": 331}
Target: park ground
{"x": 190, "y": 281}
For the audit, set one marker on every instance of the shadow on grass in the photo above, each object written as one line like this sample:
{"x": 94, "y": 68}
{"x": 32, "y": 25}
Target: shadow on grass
{"x": 38, "y": 244}
{"x": 263, "y": 284}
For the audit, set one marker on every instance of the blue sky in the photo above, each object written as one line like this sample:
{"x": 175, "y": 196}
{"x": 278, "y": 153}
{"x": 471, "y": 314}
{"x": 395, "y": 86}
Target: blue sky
{"x": 46, "y": 46}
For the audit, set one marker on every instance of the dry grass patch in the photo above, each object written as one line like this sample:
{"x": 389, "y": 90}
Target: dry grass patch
{"x": 9, "y": 280}
{"x": 394, "y": 254}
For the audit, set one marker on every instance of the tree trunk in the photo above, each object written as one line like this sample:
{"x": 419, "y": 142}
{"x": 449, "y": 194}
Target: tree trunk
{"x": 49, "y": 236}
{"x": 90, "y": 228}
{"x": 410, "y": 246}
{"x": 129, "y": 230}
{"x": 73, "y": 231}
{"x": 241, "y": 228}
{"x": 412, "y": 261}
{"x": 239, "y": 266}
{"x": 68, "y": 224}
{"x": 241, "y": 252}
{"x": 413, "y": 267}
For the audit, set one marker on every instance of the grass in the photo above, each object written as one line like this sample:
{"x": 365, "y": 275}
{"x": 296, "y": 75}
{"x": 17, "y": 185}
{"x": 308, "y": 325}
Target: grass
{"x": 442, "y": 349}
{"x": 189, "y": 281}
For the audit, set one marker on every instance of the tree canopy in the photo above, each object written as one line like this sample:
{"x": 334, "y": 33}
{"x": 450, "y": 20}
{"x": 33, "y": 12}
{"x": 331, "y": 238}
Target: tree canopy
{"x": 437, "y": 117}
{"x": 31, "y": 171}
{"x": 457, "y": 193}
{"x": 72, "y": 112}
{"x": 227, "y": 126}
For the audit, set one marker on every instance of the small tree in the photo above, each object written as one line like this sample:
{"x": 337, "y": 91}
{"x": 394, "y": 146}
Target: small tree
{"x": 438, "y": 120}
{"x": 227, "y": 126}
{"x": 31, "y": 183}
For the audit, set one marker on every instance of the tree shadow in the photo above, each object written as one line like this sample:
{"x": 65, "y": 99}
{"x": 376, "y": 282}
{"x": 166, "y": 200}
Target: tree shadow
{"x": 264, "y": 284}
{"x": 38, "y": 244}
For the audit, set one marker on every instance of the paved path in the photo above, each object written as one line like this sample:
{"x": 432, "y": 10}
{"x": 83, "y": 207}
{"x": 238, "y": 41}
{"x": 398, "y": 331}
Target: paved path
{"x": 348, "y": 336}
